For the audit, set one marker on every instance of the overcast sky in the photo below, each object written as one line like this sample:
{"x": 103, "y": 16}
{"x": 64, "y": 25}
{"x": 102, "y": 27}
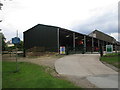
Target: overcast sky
{"x": 82, "y": 16}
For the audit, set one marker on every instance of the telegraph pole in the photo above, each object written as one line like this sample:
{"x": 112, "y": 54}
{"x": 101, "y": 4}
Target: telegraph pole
{"x": 17, "y": 34}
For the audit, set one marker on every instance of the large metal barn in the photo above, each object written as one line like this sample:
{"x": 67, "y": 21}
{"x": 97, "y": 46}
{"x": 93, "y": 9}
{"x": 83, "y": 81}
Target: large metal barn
{"x": 50, "y": 38}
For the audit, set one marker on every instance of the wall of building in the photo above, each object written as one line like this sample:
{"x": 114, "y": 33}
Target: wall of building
{"x": 66, "y": 38}
{"x": 41, "y": 36}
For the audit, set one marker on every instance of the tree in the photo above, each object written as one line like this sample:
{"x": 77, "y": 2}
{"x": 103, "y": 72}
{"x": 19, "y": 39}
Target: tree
{"x": 20, "y": 45}
{"x": 1, "y": 5}
{"x": 3, "y": 42}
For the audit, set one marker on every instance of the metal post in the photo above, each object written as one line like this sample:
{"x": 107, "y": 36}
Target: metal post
{"x": 92, "y": 45}
{"x": 98, "y": 43}
{"x": 17, "y": 33}
{"x": 74, "y": 41}
{"x": 58, "y": 39}
{"x": 24, "y": 49}
{"x": 16, "y": 59}
{"x": 16, "y": 55}
{"x": 85, "y": 43}
{"x": 115, "y": 48}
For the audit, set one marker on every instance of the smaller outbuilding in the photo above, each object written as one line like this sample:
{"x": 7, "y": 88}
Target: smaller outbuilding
{"x": 102, "y": 36}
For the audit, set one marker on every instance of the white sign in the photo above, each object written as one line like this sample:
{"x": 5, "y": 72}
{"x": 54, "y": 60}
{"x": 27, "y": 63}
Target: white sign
{"x": 109, "y": 48}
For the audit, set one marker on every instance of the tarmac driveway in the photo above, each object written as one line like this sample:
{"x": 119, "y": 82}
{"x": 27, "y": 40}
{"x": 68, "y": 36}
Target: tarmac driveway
{"x": 89, "y": 66}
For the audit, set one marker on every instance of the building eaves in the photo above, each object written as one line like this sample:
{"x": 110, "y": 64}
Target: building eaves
{"x": 103, "y": 33}
{"x": 40, "y": 25}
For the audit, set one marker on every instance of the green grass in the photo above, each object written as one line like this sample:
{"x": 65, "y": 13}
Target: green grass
{"x": 112, "y": 58}
{"x": 112, "y": 54}
{"x": 30, "y": 76}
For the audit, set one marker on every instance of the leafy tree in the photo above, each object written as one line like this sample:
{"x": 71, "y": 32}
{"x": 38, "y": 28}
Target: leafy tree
{"x": 4, "y": 46}
{"x": 1, "y": 5}
{"x": 20, "y": 45}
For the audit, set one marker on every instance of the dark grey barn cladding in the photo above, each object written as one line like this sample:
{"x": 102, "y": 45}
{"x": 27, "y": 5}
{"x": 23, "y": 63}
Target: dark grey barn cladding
{"x": 41, "y": 36}
{"x": 51, "y": 38}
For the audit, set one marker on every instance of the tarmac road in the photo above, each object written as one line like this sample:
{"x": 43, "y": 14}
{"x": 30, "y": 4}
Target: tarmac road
{"x": 89, "y": 66}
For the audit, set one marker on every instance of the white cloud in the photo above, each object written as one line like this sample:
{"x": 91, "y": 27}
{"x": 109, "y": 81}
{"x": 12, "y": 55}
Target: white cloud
{"x": 24, "y": 14}
{"x": 115, "y": 35}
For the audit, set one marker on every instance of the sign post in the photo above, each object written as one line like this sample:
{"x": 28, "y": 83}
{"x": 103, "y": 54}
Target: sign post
{"x": 109, "y": 48}
{"x": 16, "y": 41}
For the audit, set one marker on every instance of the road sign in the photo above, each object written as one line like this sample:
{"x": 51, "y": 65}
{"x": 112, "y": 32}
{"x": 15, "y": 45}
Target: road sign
{"x": 15, "y": 40}
{"x": 109, "y": 48}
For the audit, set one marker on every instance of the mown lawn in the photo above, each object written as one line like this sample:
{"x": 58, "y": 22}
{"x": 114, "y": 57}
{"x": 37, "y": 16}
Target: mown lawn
{"x": 112, "y": 58}
{"x": 30, "y": 76}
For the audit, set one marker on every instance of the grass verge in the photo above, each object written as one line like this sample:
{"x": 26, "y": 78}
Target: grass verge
{"x": 30, "y": 76}
{"x": 112, "y": 58}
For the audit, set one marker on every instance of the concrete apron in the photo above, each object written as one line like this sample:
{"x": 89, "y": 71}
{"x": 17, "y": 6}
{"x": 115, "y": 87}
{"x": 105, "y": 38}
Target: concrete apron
{"x": 89, "y": 66}
{"x": 104, "y": 81}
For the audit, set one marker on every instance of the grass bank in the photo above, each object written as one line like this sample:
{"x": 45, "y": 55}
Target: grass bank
{"x": 30, "y": 76}
{"x": 112, "y": 58}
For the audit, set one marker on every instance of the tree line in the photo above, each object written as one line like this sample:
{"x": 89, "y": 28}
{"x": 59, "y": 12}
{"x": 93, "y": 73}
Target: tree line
{"x": 5, "y": 46}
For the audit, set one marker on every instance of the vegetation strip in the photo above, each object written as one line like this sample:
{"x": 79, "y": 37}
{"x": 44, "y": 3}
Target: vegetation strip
{"x": 31, "y": 76}
{"x": 112, "y": 59}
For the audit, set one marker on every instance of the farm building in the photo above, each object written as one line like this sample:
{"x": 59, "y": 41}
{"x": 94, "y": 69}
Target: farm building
{"x": 102, "y": 36}
{"x": 50, "y": 38}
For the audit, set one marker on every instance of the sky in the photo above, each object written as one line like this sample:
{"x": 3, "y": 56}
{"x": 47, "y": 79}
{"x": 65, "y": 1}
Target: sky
{"x": 83, "y": 16}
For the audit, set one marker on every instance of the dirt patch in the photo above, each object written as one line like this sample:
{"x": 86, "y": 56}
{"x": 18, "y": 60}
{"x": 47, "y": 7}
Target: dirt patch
{"x": 34, "y": 54}
{"x": 79, "y": 81}
{"x": 44, "y": 60}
